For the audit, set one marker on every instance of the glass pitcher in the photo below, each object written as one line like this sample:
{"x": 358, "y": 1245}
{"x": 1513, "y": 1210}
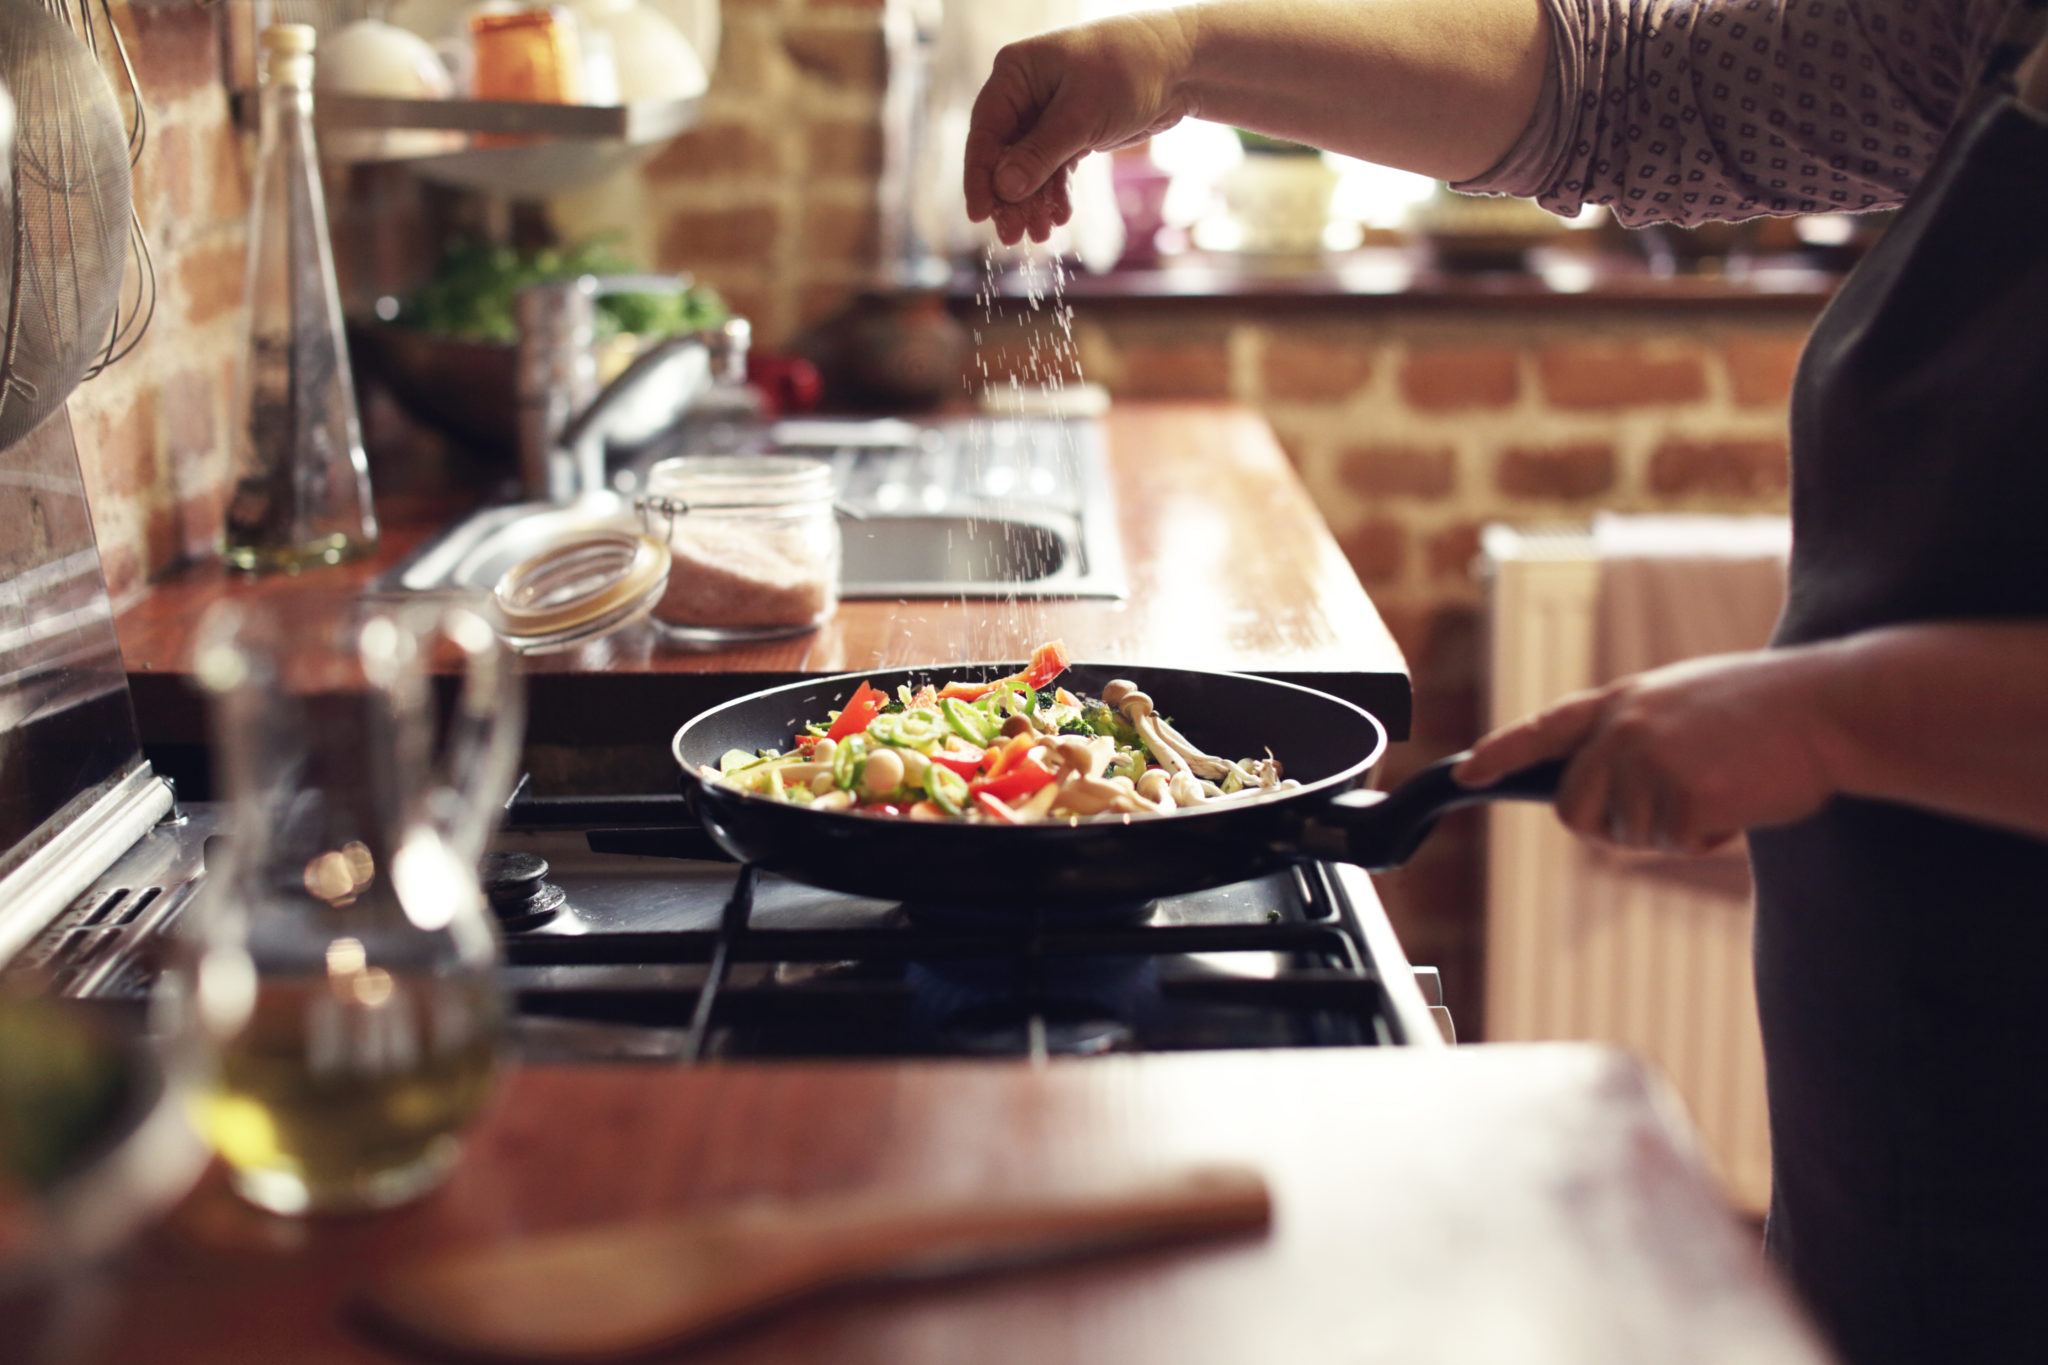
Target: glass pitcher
{"x": 334, "y": 995}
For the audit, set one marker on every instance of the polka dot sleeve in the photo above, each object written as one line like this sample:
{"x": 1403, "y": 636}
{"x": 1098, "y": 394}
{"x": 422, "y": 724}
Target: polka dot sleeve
{"x": 1690, "y": 110}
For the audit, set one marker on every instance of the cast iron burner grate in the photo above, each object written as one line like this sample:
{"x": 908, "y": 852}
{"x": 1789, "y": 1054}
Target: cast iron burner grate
{"x": 1178, "y": 974}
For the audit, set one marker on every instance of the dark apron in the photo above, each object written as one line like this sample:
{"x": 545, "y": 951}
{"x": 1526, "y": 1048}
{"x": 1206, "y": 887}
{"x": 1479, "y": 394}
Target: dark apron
{"x": 1901, "y": 957}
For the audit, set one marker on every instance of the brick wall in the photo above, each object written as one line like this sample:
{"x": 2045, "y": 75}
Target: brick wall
{"x": 1414, "y": 427}
{"x": 152, "y": 431}
{"x": 772, "y": 196}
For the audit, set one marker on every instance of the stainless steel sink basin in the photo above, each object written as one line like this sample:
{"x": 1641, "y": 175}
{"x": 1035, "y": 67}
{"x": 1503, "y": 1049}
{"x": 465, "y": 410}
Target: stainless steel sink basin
{"x": 909, "y": 556}
{"x": 941, "y": 515}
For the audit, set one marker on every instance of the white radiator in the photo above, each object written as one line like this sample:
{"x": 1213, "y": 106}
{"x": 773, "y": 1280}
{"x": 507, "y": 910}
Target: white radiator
{"x": 1586, "y": 945}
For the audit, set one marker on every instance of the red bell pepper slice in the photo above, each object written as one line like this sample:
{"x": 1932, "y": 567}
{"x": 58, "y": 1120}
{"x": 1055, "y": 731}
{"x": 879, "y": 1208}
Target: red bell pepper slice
{"x": 1048, "y": 661}
{"x": 861, "y": 710}
{"x": 966, "y": 762}
{"x": 1025, "y": 778}
{"x": 1001, "y": 756}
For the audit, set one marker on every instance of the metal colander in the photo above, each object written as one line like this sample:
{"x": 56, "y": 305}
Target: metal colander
{"x": 68, "y": 243}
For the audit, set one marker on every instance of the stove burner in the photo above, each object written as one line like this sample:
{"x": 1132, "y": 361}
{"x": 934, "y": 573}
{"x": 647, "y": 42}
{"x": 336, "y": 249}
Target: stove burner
{"x": 1013, "y": 1030}
{"x": 1031, "y": 1005}
{"x": 520, "y": 894}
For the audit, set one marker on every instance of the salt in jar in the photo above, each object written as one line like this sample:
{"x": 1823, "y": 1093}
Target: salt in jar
{"x": 754, "y": 545}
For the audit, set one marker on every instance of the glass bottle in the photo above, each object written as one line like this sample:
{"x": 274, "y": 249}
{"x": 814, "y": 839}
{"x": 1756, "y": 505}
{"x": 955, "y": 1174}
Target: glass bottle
{"x": 301, "y": 483}
{"x": 332, "y": 999}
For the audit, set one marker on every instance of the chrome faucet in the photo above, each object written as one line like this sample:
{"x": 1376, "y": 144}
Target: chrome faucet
{"x": 563, "y": 415}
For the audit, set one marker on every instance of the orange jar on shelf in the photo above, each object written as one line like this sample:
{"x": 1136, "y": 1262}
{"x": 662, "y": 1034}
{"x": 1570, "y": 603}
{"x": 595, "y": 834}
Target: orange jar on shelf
{"x": 529, "y": 55}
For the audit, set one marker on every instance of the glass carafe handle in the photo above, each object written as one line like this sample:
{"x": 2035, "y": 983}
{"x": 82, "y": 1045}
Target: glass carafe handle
{"x": 462, "y": 787}
{"x": 479, "y": 758}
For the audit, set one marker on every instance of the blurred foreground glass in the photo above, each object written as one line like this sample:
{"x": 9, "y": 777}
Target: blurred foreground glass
{"x": 334, "y": 995}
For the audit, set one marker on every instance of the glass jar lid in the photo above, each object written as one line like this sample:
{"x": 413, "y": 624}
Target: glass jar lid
{"x": 585, "y": 586}
{"x": 715, "y": 482}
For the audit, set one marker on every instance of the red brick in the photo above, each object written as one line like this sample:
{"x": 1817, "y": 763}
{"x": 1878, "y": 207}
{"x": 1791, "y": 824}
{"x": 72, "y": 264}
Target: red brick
{"x": 167, "y": 182}
{"x": 1308, "y": 368}
{"x": 1193, "y": 367}
{"x": 225, "y": 173}
{"x": 1727, "y": 469}
{"x": 1601, "y": 376}
{"x": 750, "y": 60}
{"x": 843, "y": 148}
{"x": 210, "y": 279}
{"x": 123, "y": 568}
{"x": 1398, "y": 471}
{"x": 163, "y": 541}
{"x": 119, "y": 446}
{"x": 851, "y": 59}
{"x": 739, "y": 234}
{"x": 190, "y": 429}
{"x": 1568, "y": 471}
{"x": 1760, "y": 369}
{"x": 997, "y": 362}
{"x": 839, "y": 232}
{"x": 1455, "y": 378}
{"x": 1377, "y": 549}
{"x": 203, "y": 515}
{"x": 176, "y": 50}
{"x": 1293, "y": 444}
{"x": 1452, "y": 550}
{"x": 728, "y": 149}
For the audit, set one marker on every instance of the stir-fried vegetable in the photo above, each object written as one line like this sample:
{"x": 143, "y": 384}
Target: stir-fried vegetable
{"x": 1018, "y": 750}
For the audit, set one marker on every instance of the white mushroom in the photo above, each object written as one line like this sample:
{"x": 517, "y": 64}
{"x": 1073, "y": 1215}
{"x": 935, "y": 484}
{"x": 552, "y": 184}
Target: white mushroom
{"x": 882, "y": 774}
{"x": 1093, "y": 795}
{"x": 834, "y": 800}
{"x": 1153, "y": 787}
{"x": 1082, "y": 754}
{"x": 1168, "y": 745}
{"x": 1186, "y": 789}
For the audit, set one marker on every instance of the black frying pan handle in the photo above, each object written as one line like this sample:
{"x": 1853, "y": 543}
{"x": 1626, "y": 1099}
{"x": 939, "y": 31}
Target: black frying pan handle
{"x": 1383, "y": 831}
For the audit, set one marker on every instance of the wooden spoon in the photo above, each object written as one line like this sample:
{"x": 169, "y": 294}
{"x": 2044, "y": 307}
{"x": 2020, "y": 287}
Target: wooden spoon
{"x": 627, "y": 1289}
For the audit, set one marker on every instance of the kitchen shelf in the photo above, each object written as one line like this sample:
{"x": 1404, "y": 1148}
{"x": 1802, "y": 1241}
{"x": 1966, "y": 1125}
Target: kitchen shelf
{"x": 634, "y": 124}
{"x": 504, "y": 147}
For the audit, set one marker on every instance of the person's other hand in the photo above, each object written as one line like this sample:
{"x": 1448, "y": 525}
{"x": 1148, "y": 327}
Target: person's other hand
{"x": 1682, "y": 759}
{"x": 1052, "y": 99}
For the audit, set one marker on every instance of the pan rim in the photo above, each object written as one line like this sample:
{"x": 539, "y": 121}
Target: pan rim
{"x": 1338, "y": 781}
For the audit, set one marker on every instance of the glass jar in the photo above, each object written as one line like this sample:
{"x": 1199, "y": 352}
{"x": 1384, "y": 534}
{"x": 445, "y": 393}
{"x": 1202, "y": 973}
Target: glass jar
{"x": 753, "y": 543}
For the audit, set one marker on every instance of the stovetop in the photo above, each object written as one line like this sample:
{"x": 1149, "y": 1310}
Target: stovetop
{"x": 620, "y": 950}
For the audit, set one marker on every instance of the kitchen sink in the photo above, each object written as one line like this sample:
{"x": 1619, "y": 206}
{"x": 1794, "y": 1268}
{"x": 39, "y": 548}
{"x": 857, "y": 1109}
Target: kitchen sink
{"x": 969, "y": 508}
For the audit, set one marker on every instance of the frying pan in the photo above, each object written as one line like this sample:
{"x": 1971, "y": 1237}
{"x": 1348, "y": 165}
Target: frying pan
{"x": 1325, "y": 743}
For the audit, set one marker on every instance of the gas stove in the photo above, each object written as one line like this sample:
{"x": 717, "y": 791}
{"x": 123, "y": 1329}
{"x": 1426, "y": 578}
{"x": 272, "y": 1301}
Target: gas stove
{"x": 628, "y": 935}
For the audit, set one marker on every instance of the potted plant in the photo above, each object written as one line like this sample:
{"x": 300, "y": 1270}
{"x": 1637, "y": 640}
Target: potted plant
{"x": 1279, "y": 195}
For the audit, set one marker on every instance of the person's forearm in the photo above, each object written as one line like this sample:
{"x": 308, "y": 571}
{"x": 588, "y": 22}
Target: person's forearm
{"x": 1442, "y": 87}
{"x": 1952, "y": 717}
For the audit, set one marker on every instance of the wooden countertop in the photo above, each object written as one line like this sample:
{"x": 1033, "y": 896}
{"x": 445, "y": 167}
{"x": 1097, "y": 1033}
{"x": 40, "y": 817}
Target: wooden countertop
{"x": 1230, "y": 566}
{"x": 1525, "y": 1204}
